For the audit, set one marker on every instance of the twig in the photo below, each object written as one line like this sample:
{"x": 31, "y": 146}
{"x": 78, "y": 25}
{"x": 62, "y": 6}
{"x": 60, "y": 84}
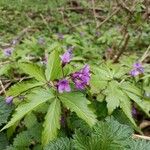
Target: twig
{"x": 17, "y": 39}
{"x": 144, "y": 124}
{"x": 99, "y": 25}
{"x": 3, "y": 88}
{"x": 79, "y": 8}
{"x": 123, "y": 5}
{"x": 136, "y": 136}
{"x": 127, "y": 37}
{"x": 146, "y": 54}
{"x": 45, "y": 22}
{"x": 94, "y": 12}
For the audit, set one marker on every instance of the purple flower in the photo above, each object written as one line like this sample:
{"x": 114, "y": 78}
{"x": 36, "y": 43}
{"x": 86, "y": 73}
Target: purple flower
{"x": 41, "y": 41}
{"x": 97, "y": 33}
{"x": 8, "y": 51}
{"x": 66, "y": 57}
{"x": 63, "y": 85}
{"x": 134, "y": 111}
{"x": 9, "y": 99}
{"x": 60, "y": 36}
{"x": 137, "y": 69}
{"x": 82, "y": 33}
{"x": 81, "y": 78}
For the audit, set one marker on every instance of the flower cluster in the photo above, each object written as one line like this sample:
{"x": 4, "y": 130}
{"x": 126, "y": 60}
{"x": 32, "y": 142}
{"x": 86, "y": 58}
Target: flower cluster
{"x": 137, "y": 69}
{"x": 67, "y": 56}
{"x": 8, "y": 51}
{"x": 80, "y": 78}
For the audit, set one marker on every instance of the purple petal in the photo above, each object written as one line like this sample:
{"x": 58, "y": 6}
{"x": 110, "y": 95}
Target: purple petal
{"x": 63, "y": 85}
{"x": 9, "y": 99}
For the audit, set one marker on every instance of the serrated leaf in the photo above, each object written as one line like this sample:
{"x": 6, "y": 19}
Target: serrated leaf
{"x": 33, "y": 70}
{"x": 53, "y": 68}
{"x": 23, "y": 86}
{"x": 36, "y": 99}
{"x": 143, "y": 104}
{"x": 108, "y": 135}
{"x": 59, "y": 144}
{"x": 125, "y": 104}
{"x": 140, "y": 145}
{"x": 52, "y": 122}
{"x": 97, "y": 84}
{"x": 118, "y": 98}
{"x": 5, "y": 111}
{"x": 3, "y": 141}
{"x": 112, "y": 97}
{"x": 78, "y": 103}
{"x": 23, "y": 139}
{"x": 30, "y": 120}
{"x": 131, "y": 88}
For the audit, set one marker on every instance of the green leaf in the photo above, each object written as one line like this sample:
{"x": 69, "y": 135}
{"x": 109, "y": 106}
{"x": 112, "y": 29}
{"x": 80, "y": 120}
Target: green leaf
{"x": 125, "y": 104}
{"x": 21, "y": 87}
{"x": 97, "y": 84}
{"x": 108, "y": 135}
{"x": 59, "y": 144}
{"x": 116, "y": 97}
{"x": 78, "y": 103}
{"x": 140, "y": 145}
{"x": 23, "y": 139}
{"x": 3, "y": 141}
{"x": 33, "y": 70}
{"x": 30, "y": 120}
{"x": 52, "y": 122}
{"x": 143, "y": 104}
{"x": 112, "y": 97}
{"x": 5, "y": 111}
{"x": 131, "y": 88}
{"x": 36, "y": 99}
{"x": 53, "y": 68}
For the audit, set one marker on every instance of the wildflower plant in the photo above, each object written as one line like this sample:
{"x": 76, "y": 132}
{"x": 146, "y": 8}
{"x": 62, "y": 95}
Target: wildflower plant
{"x": 54, "y": 87}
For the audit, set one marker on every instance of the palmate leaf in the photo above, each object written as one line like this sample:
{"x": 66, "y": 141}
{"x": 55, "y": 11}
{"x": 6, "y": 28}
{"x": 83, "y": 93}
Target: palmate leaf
{"x": 140, "y": 145}
{"x": 112, "y": 98}
{"x": 3, "y": 141}
{"x": 23, "y": 86}
{"x": 33, "y": 70}
{"x": 59, "y": 144}
{"x": 5, "y": 111}
{"x": 115, "y": 97}
{"x": 108, "y": 135}
{"x": 143, "y": 104}
{"x": 37, "y": 98}
{"x": 78, "y": 103}
{"x": 52, "y": 122}
{"x": 135, "y": 94}
{"x": 53, "y": 68}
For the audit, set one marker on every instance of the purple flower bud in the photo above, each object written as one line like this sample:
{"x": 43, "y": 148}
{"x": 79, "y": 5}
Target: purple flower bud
{"x": 97, "y": 33}
{"x": 63, "y": 85}
{"x": 134, "y": 111}
{"x": 137, "y": 69}
{"x": 9, "y": 99}
{"x": 109, "y": 50}
{"x": 8, "y": 51}
{"x": 41, "y": 41}
{"x": 62, "y": 121}
{"x": 82, "y": 33}
{"x": 66, "y": 57}
{"x": 60, "y": 36}
{"x": 81, "y": 78}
